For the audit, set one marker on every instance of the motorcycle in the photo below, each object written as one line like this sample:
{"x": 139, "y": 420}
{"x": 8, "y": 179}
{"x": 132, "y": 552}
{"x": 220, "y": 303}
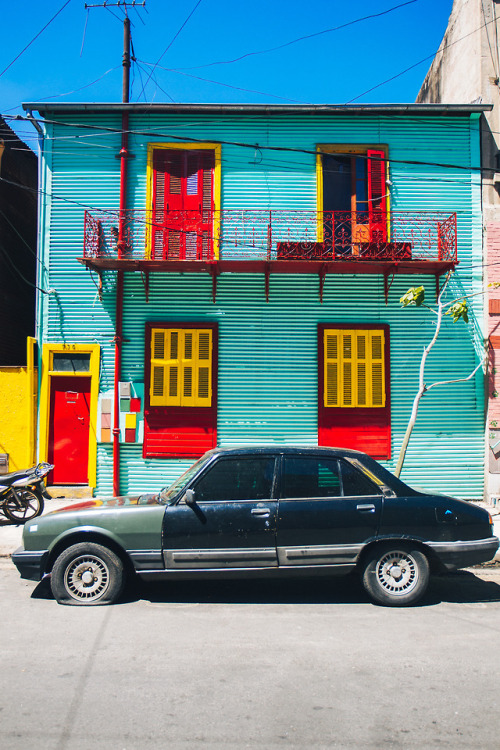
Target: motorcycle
{"x": 22, "y": 493}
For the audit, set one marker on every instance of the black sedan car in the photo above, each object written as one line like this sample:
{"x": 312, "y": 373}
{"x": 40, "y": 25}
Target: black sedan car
{"x": 261, "y": 511}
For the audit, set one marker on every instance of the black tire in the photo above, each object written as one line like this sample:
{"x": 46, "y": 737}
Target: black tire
{"x": 29, "y": 505}
{"x": 87, "y": 574}
{"x": 396, "y": 574}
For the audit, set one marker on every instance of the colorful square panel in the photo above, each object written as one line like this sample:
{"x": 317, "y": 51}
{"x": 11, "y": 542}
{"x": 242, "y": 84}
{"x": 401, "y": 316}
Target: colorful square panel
{"x": 130, "y": 421}
{"x": 106, "y": 406}
{"x": 130, "y": 435}
{"x": 135, "y": 404}
{"x": 124, "y": 404}
{"x": 106, "y": 421}
{"x": 105, "y": 436}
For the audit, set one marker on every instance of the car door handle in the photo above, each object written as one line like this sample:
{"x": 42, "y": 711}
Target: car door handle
{"x": 368, "y": 508}
{"x": 260, "y": 512}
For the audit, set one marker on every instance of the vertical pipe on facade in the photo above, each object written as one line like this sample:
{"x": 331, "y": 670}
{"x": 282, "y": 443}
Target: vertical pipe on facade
{"x": 40, "y": 255}
{"x": 122, "y": 243}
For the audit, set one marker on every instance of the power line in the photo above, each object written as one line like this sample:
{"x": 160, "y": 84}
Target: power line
{"x": 302, "y": 38}
{"x": 168, "y": 46}
{"x": 34, "y": 38}
{"x": 415, "y": 65}
{"x": 242, "y": 144}
{"x": 227, "y": 85}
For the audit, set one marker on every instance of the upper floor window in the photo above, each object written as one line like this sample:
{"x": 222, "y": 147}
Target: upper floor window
{"x": 184, "y": 186}
{"x": 353, "y": 197}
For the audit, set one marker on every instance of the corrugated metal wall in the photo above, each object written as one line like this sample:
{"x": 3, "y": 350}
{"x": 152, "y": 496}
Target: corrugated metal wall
{"x": 267, "y": 352}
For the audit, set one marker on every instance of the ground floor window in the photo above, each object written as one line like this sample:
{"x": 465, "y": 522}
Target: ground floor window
{"x": 354, "y": 388}
{"x": 180, "y": 418}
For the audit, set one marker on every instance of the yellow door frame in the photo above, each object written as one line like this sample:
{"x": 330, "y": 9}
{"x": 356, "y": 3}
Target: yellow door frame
{"x": 48, "y": 373}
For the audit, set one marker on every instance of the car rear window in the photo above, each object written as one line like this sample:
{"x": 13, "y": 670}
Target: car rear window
{"x": 310, "y": 477}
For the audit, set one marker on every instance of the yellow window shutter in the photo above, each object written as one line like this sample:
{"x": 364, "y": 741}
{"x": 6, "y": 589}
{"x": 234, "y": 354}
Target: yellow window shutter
{"x": 354, "y": 368}
{"x": 188, "y": 367}
{"x": 204, "y": 369}
{"x": 331, "y": 368}
{"x": 348, "y": 384}
{"x": 181, "y": 367}
{"x": 158, "y": 370}
{"x": 377, "y": 368}
{"x": 362, "y": 340}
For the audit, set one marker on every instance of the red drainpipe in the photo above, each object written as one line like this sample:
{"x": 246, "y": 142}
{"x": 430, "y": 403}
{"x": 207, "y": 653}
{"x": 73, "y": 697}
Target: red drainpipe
{"x": 121, "y": 246}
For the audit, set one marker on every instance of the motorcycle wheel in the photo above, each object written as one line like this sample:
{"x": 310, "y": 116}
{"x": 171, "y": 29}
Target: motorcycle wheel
{"x": 29, "y": 505}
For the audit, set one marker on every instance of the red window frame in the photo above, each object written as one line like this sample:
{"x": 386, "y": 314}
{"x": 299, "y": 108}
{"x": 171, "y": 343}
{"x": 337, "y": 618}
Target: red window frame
{"x": 179, "y": 431}
{"x": 366, "y": 429}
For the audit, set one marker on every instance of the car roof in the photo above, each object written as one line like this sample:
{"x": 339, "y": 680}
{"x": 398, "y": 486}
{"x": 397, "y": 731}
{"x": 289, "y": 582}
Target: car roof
{"x": 286, "y": 449}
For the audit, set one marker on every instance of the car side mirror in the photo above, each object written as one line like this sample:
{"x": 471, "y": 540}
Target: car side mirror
{"x": 189, "y": 498}
{"x": 387, "y": 492}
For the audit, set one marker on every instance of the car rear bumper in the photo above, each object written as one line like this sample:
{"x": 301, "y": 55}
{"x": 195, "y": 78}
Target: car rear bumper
{"x": 464, "y": 554}
{"x": 30, "y": 564}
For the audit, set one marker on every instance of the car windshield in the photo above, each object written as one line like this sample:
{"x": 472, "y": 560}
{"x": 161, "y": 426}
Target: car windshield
{"x": 168, "y": 494}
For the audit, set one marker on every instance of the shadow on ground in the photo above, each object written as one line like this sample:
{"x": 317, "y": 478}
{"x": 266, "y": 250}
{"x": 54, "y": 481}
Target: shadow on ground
{"x": 459, "y": 587}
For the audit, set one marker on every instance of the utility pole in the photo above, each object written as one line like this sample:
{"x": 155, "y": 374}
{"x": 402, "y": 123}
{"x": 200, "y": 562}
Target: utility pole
{"x": 122, "y": 244}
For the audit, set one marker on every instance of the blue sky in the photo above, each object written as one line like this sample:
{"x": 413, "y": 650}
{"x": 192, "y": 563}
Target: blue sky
{"x": 334, "y": 67}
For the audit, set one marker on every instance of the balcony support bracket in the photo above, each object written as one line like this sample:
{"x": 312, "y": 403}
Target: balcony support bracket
{"x": 145, "y": 281}
{"x": 322, "y": 275}
{"x": 214, "y": 272}
{"x": 387, "y": 283}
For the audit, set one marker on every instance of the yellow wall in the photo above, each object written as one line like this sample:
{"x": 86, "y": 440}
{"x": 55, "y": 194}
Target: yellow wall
{"x": 15, "y": 417}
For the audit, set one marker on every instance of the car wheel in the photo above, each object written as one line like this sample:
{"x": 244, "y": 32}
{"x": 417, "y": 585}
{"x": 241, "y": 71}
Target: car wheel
{"x": 87, "y": 574}
{"x": 24, "y": 507}
{"x": 396, "y": 575}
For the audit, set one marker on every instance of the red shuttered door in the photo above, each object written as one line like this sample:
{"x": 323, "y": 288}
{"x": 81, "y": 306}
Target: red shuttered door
{"x": 377, "y": 196}
{"x": 183, "y": 204}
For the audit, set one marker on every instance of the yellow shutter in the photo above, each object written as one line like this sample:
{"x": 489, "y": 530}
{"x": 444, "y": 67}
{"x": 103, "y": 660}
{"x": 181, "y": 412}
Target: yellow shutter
{"x": 354, "y": 368}
{"x": 377, "y": 368}
{"x": 331, "y": 368}
{"x": 204, "y": 369}
{"x": 157, "y": 390}
{"x": 181, "y": 367}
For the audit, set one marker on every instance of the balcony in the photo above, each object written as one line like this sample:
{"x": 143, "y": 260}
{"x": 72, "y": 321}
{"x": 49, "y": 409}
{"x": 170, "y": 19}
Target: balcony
{"x": 276, "y": 241}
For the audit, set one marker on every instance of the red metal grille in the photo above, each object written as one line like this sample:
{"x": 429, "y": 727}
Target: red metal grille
{"x": 255, "y": 234}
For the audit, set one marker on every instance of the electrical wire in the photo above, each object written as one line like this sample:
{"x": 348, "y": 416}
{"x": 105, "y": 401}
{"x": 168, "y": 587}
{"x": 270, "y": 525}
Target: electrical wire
{"x": 169, "y": 45}
{"x": 415, "y": 65}
{"x": 242, "y": 144}
{"x": 34, "y": 38}
{"x": 303, "y": 38}
{"x": 227, "y": 85}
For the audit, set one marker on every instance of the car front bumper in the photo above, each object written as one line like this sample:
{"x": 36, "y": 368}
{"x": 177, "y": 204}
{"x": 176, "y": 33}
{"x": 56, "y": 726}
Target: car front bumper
{"x": 30, "y": 564}
{"x": 455, "y": 555}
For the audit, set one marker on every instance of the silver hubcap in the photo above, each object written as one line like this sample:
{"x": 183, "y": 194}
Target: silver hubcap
{"x": 86, "y": 577}
{"x": 397, "y": 573}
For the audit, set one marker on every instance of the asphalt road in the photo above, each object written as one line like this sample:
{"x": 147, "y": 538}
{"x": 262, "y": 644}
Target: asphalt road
{"x": 251, "y": 665}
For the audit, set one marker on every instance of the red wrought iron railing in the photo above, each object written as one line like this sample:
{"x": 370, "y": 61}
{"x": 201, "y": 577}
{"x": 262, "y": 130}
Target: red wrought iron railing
{"x": 256, "y": 234}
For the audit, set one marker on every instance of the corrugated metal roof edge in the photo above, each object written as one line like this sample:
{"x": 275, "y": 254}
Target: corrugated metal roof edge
{"x": 266, "y": 109}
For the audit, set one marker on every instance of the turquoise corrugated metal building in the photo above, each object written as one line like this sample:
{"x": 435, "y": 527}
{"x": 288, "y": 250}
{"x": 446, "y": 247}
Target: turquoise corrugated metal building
{"x": 311, "y": 223}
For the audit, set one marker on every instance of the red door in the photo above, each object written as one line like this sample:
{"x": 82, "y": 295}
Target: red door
{"x": 183, "y": 204}
{"x": 69, "y": 430}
